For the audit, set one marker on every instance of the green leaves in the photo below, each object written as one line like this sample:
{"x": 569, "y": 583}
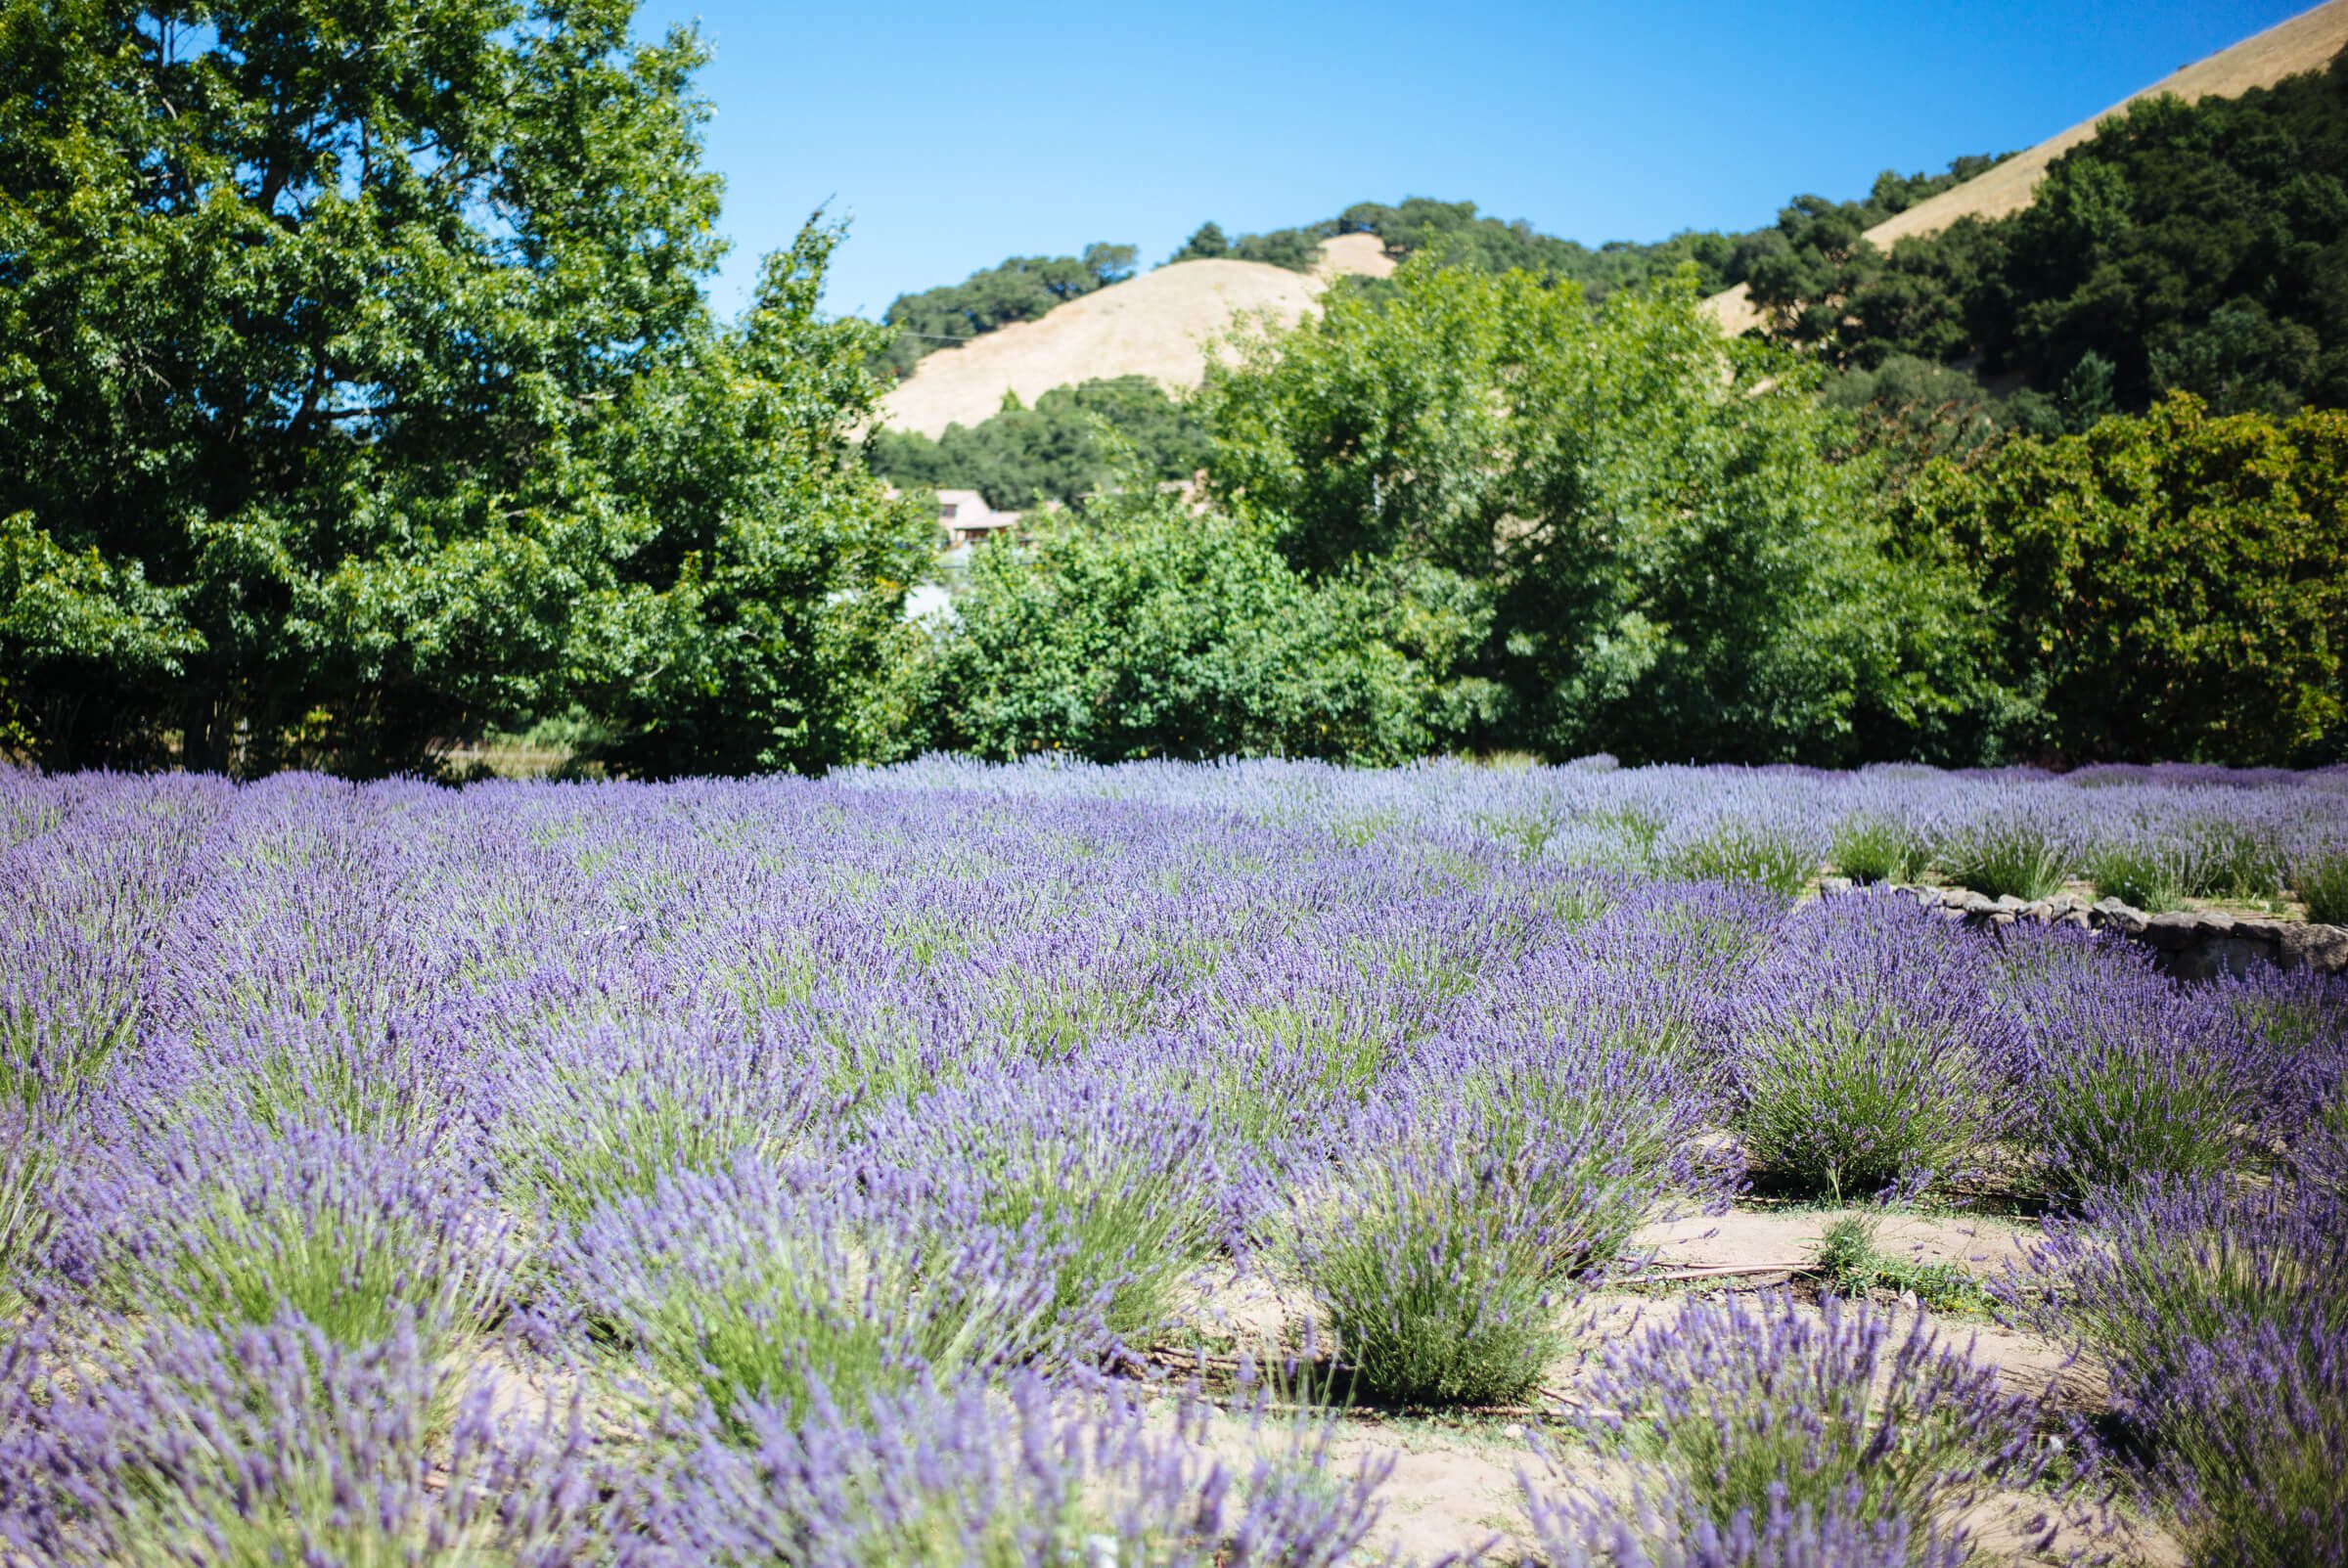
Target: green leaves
{"x": 1676, "y": 567}
{"x": 2174, "y": 586}
{"x": 360, "y": 392}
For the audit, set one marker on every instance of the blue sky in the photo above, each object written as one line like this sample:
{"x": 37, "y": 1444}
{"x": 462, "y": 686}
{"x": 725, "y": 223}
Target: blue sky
{"x": 953, "y": 135}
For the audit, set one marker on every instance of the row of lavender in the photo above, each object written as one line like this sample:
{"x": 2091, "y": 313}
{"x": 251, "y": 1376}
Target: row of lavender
{"x": 2151, "y": 837}
{"x": 845, "y": 1154}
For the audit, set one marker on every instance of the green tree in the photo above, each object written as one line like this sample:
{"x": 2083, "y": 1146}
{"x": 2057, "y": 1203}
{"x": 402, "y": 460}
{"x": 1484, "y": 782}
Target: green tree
{"x": 1076, "y": 440}
{"x": 1146, "y": 631}
{"x": 1207, "y": 244}
{"x": 1677, "y": 566}
{"x": 2173, "y": 585}
{"x": 335, "y": 352}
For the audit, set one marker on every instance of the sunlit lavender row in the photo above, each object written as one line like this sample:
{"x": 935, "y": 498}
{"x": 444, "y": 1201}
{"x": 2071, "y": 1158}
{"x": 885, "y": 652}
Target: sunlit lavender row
{"x": 865, "y": 1171}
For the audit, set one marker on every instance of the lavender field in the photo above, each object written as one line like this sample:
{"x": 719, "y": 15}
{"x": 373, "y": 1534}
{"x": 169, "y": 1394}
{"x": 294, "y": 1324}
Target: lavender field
{"x": 1246, "y": 1164}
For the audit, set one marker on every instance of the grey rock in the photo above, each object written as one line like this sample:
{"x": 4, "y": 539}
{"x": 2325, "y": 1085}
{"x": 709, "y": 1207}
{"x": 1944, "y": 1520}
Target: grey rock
{"x": 2002, "y": 917}
{"x": 2214, "y": 923}
{"x": 2119, "y": 917}
{"x": 2042, "y": 912}
{"x": 1975, "y": 904}
{"x": 2170, "y": 933}
{"x": 2075, "y": 916}
{"x": 2321, "y": 948}
{"x": 1835, "y": 884}
{"x": 2007, "y": 901}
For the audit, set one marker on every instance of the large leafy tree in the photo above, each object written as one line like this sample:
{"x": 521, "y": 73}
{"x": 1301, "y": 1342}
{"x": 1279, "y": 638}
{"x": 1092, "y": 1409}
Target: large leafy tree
{"x": 348, "y": 356}
{"x": 1143, "y": 630}
{"x": 1677, "y": 566}
{"x": 2173, "y": 585}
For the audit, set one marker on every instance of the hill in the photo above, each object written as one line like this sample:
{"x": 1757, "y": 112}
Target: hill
{"x": 1155, "y": 325}
{"x": 2304, "y": 43}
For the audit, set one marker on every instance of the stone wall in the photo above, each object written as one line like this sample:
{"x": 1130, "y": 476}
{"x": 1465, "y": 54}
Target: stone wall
{"x": 2190, "y": 946}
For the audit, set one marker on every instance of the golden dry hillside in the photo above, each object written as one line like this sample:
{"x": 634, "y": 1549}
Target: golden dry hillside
{"x": 2304, "y": 43}
{"x": 1156, "y": 325}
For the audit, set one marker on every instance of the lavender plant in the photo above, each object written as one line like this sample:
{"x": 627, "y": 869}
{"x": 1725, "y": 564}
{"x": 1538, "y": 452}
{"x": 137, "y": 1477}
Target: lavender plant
{"x": 223, "y": 1227}
{"x": 1663, "y": 1525}
{"x": 2222, "y": 1312}
{"x": 2016, "y": 853}
{"x": 1881, "y": 848}
{"x": 1861, "y": 1051}
{"x": 605, "y": 1114}
{"x": 279, "y": 1444}
{"x": 1038, "y": 1476}
{"x": 2319, "y": 876}
{"x": 1444, "y": 1252}
{"x": 1766, "y": 1425}
{"x": 2121, "y": 1076}
{"x": 1118, "y": 1181}
{"x": 757, "y": 1284}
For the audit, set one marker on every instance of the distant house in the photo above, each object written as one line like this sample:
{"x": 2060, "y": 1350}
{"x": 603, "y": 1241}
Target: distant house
{"x": 968, "y": 520}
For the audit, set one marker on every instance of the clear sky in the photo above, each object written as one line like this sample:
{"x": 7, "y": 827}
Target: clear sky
{"x": 952, "y": 135}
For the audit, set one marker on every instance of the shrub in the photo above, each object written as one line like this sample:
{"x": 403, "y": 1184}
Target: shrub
{"x": 602, "y": 1114}
{"x": 2222, "y": 1312}
{"x": 2142, "y": 1275}
{"x": 2141, "y": 870}
{"x": 2321, "y": 879}
{"x": 1119, "y": 1182}
{"x": 1872, "y": 848}
{"x": 1444, "y": 1251}
{"x": 2013, "y": 854}
{"x": 224, "y": 1226}
{"x": 759, "y": 1284}
{"x": 2124, "y": 1076}
{"x": 1036, "y": 1477}
{"x": 1861, "y": 1051}
{"x": 280, "y": 1445}
{"x": 1666, "y": 1526}
{"x": 1604, "y": 1133}
{"x": 1750, "y": 854}
{"x": 1761, "y": 1418}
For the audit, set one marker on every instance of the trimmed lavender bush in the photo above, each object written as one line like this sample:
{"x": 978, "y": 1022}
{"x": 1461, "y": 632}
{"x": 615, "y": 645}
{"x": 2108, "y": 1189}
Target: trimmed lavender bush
{"x": 1038, "y": 1476}
{"x": 2222, "y": 1312}
{"x": 2121, "y": 1075}
{"x": 1443, "y": 1250}
{"x": 2251, "y": 1445}
{"x": 1666, "y": 1526}
{"x": 2321, "y": 879}
{"x": 1777, "y": 857}
{"x": 2016, "y": 853}
{"x": 1601, "y": 1134}
{"x": 2146, "y": 872}
{"x": 1862, "y": 1050}
{"x": 1881, "y": 848}
{"x": 280, "y": 1445}
{"x": 225, "y": 1228}
{"x": 1767, "y": 1422}
{"x": 1118, "y": 1181}
{"x": 759, "y": 1284}
{"x": 605, "y": 1114}
{"x": 2145, "y": 1273}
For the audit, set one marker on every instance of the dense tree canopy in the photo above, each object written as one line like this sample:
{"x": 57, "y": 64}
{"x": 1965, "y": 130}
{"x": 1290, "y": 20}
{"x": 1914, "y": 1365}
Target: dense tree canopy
{"x": 1674, "y": 567}
{"x": 2197, "y": 248}
{"x": 358, "y": 390}
{"x": 1145, "y": 631}
{"x": 2169, "y": 586}
{"x": 1074, "y": 442}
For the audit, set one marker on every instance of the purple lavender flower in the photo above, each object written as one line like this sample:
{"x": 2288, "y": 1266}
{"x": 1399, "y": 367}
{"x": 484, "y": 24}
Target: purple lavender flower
{"x": 1035, "y": 1475}
{"x": 1770, "y": 1432}
{"x": 277, "y": 1444}
{"x": 759, "y": 1284}
{"x": 1864, "y": 1050}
